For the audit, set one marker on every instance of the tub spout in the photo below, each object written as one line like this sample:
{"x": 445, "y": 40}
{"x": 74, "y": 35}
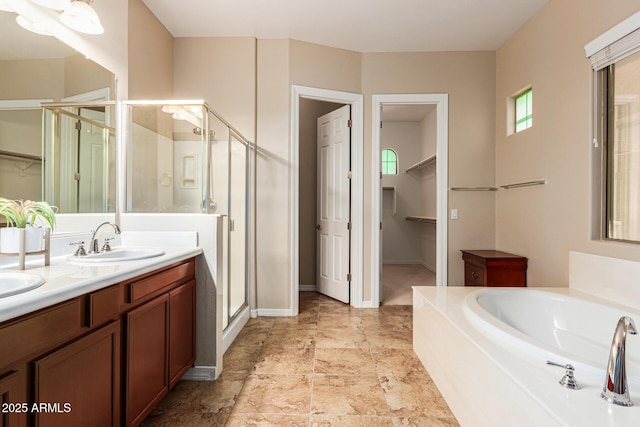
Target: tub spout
{"x": 615, "y": 388}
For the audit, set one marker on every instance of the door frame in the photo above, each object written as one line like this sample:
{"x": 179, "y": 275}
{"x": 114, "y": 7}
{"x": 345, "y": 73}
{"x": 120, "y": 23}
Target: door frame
{"x": 441, "y": 101}
{"x": 357, "y": 189}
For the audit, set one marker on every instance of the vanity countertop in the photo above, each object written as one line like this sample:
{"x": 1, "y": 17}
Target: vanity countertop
{"x": 66, "y": 280}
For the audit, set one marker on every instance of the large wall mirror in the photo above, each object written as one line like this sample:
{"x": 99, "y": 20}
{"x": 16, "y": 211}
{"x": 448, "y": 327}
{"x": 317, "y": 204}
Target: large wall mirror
{"x": 63, "y": 153}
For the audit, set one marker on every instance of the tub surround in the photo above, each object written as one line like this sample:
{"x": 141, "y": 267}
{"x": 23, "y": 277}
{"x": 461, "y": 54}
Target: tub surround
{"x": 487, "y": 383}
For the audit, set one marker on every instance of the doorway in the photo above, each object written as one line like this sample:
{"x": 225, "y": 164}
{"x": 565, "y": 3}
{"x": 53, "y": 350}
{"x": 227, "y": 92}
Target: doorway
{"x": 421, "y": 175}
{"x": 301, "y": 95}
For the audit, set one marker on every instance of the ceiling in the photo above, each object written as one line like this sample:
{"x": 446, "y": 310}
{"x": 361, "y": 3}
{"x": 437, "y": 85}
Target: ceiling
{"x": 357, "y": 25}
{"x": 406, "y": 112}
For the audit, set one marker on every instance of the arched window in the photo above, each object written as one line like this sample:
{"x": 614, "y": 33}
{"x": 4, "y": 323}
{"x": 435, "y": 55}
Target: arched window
{"x": 389, "y": 162}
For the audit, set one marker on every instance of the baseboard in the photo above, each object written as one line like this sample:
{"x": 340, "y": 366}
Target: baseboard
{"x": 428, "y": 267}
{"x": 273, "y": 312}
{"x": 231, "y": 332}
{"x": 200, "y": 373}
{"x": 307, "y": 288}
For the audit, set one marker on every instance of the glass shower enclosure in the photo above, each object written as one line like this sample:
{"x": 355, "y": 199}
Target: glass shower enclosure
{"x": 183, "y": 157}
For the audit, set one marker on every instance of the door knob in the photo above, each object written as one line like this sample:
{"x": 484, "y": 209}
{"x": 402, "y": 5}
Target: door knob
{"x": 318, "y": 227}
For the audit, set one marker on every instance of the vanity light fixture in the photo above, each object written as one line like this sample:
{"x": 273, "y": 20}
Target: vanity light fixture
{"x": 178, "y": 112}
{"x": 31, "y": 26}
{"x": 80, "y": 16}
{"x": 54, "y": 4}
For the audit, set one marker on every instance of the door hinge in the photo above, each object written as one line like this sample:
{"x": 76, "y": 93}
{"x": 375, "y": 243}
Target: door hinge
{"x": 349, "y": 174}
{"x": 380, "y": 124}
{"x": 76, "y": 176}
{"x": 380, "y": 225}
{"x": 78, "y": 125}
{"x": 348, "y": 226}
{"x": 348, "y": 277}
{"x": 349, "y": 123}
{"x": 232, "y": 225}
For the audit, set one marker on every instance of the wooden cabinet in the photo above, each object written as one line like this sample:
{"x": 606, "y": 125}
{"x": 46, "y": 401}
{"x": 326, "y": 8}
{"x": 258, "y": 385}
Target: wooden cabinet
{"x": 80, "y": 383}
{"x": 494, "y": 269}
{"x": 147, "y": 377}
{"x": 102, "y": 359}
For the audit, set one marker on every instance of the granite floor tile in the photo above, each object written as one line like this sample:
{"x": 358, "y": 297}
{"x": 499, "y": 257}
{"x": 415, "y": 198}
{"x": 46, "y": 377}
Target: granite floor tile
{"x": 348, "y": 395}
{"x": 275, "y": 394}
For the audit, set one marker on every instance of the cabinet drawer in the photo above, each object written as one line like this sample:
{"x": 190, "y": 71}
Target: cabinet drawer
{"x": 473, "y": 275}
{"x": 103, "y": 305}
{"x": 145, "y": 287}
{"x": 40, "y": 331}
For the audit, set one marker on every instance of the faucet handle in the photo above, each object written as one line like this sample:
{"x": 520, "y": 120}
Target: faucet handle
{"x": 568, "y": 380}
{"x": 80, "y": 251}
{"x": 106, "y": 247}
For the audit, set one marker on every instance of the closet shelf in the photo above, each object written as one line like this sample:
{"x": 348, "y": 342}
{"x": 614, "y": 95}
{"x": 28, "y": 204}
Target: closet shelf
{"x": 421, "y": 219}
{"x": 473, "y": 189}
{"x": 421, "y": 164}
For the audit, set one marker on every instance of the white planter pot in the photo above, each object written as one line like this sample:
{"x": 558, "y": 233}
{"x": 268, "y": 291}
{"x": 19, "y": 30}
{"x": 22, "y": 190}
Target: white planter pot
{"x": 10, "y": 240}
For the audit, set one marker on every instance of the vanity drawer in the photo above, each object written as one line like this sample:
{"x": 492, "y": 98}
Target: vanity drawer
{"x": 148, "y": 286}
{"x": 103, "y": 305}
{"x": 40, "y": 331}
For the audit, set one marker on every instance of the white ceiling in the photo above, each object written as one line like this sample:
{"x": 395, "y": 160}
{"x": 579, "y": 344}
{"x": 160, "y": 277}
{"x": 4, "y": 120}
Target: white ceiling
{"x": 406, "y": 112}
{"x": 357, "y": 25}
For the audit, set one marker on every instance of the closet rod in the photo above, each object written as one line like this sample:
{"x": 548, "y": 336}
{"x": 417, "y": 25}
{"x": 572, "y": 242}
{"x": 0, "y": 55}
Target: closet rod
{"x": 473, "y": 189}
{"x": 524, "y": 184}
{"x": 20, "y": 156}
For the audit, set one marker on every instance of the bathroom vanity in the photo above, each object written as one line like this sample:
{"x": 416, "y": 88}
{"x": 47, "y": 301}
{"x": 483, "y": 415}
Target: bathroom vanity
{"x": 106, "y": 356}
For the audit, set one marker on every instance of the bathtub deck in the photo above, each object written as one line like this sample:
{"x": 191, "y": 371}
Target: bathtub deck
{"x": 488, "y": 384}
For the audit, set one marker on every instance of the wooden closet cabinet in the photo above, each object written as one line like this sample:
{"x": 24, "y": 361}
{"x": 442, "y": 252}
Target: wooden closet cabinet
{"x": 494, "y": 268}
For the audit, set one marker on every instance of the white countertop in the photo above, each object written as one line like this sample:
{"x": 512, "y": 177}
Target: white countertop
{"x": 65, "y": 280}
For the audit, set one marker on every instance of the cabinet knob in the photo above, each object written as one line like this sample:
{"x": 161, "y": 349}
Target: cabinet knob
{"x": 474, "y": 275}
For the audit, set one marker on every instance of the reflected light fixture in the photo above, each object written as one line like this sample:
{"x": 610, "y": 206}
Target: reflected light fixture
{"x": 4, "y": 5}
{"x": 80, "y": 16}
{"x": 54, "y": 4}
{"x": 31, "y": 26}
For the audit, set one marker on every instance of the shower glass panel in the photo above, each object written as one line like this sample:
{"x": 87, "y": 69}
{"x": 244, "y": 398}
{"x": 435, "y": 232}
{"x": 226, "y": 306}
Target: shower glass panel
{"x": 182, "y": 157}
{"x": 80, "y": 157}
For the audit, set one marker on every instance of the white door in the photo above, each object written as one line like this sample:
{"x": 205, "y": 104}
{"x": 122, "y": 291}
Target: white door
{"x": 91, "y": 173}
{"x": 334, "y": 141}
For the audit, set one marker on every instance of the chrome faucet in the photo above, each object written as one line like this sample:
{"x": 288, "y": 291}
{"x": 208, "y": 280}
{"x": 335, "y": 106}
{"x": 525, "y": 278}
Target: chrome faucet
{"x": 615, "y": 388}
{"x": 94, "y": 242}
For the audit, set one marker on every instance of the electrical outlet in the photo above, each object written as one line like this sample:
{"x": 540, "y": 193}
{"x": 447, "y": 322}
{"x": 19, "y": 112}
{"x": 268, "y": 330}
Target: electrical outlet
{"x": 454, "y": 213}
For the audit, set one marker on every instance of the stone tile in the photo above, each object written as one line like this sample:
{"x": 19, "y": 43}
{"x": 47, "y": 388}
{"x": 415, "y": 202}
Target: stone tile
{"x": 239, "y": 358}
{"x": 412, "y": 397}
{"x": 308, "y": 319}
{"x": 203, "y": 396}
{"x": 341, "y": 338}
{"x": 397, "y": 362}
{"x": 252, "y": 337}
{"x": 389, "y": 339}
{"x": 388, "y": 322}
{"x": 347, "y": 395}
{"x": 292, "y": 337}
{"x": 338, "y": 310}
{"x": 267, "y": 420}
{"x": 350, "y": 421}
{"x": 194, "y": 419}
{"x": 288, "y": 361}
{"x": 330, "y": 321}
{"x": 275, "y": 394}
{"x": 258, "y": 324}
{"x": 425, "y": 422}
{"x": 343, "y": 361}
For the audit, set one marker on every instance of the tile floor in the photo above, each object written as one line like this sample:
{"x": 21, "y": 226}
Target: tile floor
{"x": 398, "y": 280}
{"x": 330, "y": 366}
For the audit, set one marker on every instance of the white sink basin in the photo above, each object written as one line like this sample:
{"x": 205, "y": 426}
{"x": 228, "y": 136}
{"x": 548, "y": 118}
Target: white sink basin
{"x": 12, "y": 283}
{"x": 117, "y": 255}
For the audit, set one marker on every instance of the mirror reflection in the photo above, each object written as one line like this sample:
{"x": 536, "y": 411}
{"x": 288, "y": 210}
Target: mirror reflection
{"x": 36, "y": 69}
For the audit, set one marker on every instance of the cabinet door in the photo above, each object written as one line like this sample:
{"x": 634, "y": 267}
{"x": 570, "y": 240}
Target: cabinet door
{"x": 79, "y": 385}
{"x": 181, "y": 331}
{"x": 147, "y": 377}
{"x": 13, "y": 397}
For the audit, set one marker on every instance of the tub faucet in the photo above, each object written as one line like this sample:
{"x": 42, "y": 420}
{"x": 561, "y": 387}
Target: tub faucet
{"x": 94, "y": 242}
{"x": 615, "y": 388}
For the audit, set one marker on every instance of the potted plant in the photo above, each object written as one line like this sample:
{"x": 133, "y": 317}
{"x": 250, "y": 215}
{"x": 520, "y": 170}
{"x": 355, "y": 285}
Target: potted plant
{"x": 24, "y": 214}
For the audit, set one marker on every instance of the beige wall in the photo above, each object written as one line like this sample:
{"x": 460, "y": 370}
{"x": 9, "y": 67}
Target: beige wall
{"x": 469, "y": 79}
{"x": 545, "y": 222}
{"x": 150, "y": 55}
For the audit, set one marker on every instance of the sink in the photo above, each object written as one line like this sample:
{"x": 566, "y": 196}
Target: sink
{"x": 117, "y": 255}
{"x": 12, "y": 283}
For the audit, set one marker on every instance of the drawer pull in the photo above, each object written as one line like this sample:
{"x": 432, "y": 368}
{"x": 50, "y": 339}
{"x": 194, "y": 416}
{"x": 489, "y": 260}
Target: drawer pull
{"x": 474, "y": 275}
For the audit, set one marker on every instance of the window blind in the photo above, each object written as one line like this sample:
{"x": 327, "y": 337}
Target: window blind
{"x": 617, "y": 43}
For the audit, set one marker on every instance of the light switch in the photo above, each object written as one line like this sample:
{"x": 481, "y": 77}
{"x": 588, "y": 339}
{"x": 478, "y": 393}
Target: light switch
{"x": 454, "y": 213}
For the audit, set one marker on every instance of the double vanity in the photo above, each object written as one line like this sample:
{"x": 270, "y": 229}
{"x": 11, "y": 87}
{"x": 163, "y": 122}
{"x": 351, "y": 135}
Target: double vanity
{"x": 97, "y": 340}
